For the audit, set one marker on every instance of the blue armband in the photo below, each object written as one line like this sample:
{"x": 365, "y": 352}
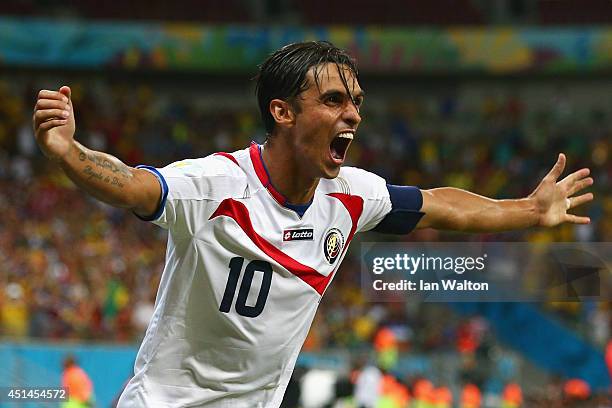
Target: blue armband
{"x": 405, "y": 214}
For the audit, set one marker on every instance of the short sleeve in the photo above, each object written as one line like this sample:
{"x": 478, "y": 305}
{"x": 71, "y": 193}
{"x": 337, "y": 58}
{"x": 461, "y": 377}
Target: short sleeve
{"x": 164, "y": 193}
{"x": 373, "y": 190}
{"x": 190, "y": 188}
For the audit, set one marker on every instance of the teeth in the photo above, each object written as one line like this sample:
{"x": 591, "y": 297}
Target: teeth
{"x": 346, "y": 135}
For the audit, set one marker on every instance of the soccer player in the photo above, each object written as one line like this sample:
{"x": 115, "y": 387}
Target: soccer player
{"x": 256, "y": 236}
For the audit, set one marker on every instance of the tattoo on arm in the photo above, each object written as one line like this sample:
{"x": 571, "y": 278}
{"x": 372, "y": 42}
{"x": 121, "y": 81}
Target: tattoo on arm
{"x": 103, "y": 162}
{"x": 100, "y": 167}
{"x": 92, "y": 174}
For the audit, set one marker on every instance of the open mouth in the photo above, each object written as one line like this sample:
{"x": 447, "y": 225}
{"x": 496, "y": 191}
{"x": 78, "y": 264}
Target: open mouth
{"x": 339, "y": 146}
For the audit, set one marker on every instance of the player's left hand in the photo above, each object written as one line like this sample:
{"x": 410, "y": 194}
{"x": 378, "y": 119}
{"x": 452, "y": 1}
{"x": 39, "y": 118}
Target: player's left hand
{"x": 554, "y": 198}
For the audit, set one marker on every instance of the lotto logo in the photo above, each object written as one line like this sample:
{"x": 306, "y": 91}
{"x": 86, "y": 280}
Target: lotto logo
{"x": 298, "y": 235}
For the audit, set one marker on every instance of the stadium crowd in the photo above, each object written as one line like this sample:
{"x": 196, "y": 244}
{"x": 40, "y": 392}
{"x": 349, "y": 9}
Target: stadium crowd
{"x": 72, "y": 268}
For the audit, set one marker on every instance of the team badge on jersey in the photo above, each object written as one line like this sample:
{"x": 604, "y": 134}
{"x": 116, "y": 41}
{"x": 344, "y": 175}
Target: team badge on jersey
{"x": 304, "y": 234}
{"x": 332, "y": 245}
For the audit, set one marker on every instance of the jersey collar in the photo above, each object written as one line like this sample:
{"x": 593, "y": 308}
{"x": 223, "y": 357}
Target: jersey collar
{"x": 264, "y": 178}
{"x": 262, "y": 173}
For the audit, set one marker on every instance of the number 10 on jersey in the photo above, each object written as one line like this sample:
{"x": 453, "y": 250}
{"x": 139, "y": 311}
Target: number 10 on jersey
{"x": 235, "y": 267}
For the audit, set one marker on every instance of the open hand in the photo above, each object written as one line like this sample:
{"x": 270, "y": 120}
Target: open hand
{"x": 53, "y": 122}
{"x": 554, "y": 198}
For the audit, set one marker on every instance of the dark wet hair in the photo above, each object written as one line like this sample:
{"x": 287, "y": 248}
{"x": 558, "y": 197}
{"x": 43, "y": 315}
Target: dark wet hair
{"x": 69, "y": 361}
{"x": 283, "y": 74}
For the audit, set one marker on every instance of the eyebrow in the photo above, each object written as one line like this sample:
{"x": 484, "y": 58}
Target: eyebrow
{"x": 360, "y": 94}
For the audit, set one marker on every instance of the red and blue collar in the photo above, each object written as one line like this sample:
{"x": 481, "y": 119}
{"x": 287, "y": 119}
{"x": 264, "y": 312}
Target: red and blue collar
{"x": 264, "y": 178}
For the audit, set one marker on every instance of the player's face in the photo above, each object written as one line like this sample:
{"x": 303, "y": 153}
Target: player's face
{"x": 327, "y": 121}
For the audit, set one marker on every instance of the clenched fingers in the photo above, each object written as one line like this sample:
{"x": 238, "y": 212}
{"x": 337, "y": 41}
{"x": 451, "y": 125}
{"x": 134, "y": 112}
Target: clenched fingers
{"x": 43, "y": 116}
{"x": 46, "y": 94}
{"x": 50, "y": 124}
{"x": 51, "y": 104}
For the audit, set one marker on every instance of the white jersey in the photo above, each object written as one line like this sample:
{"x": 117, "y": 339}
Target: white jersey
{"x": 244, "y": 275}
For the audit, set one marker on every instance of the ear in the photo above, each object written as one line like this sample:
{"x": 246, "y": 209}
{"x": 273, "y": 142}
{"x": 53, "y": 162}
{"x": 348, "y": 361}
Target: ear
{"x": 282, "y": 112}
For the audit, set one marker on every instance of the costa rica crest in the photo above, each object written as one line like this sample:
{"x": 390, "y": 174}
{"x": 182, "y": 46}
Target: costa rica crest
{"x": 333, "y": 245}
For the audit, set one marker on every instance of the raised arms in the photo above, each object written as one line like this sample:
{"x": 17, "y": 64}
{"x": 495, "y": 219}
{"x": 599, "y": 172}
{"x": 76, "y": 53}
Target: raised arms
{"x": 455, "y": 209}
{"x": 100, "y": 174}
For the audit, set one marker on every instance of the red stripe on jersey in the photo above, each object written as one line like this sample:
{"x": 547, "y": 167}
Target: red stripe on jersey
{"x": 239, "y": 213}
{"x": 262, "y": 174}
{"x": 354, "y": 206}
{"x": 228, "y": 156}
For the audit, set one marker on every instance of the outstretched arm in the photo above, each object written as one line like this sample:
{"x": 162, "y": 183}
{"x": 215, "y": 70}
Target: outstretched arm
{"x": 100, "y": 174}
{"x": 455, "y": 209}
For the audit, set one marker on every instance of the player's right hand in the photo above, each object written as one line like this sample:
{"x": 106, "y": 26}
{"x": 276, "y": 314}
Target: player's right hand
{"x": 53, "y": 122}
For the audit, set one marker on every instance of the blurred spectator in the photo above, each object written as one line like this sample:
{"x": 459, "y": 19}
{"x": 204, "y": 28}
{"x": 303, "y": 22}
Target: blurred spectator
{"x": 471, "y": 397}
{"x": 77, "y": 384}
{"x": 367, "y": 386}
{"x": 512, "y": 396}
{"x": 14, "y": 311}
{"x": 576, "y": 389}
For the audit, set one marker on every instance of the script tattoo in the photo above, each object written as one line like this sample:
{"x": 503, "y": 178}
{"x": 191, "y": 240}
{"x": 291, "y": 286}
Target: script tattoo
{"x": 105, "y": 163}
{"x": 92, "y": 174}
{"x": 115, "y": 182}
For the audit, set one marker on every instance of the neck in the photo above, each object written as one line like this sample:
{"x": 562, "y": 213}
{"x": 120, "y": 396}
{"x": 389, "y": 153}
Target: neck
{"x": 285, "y": 174}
